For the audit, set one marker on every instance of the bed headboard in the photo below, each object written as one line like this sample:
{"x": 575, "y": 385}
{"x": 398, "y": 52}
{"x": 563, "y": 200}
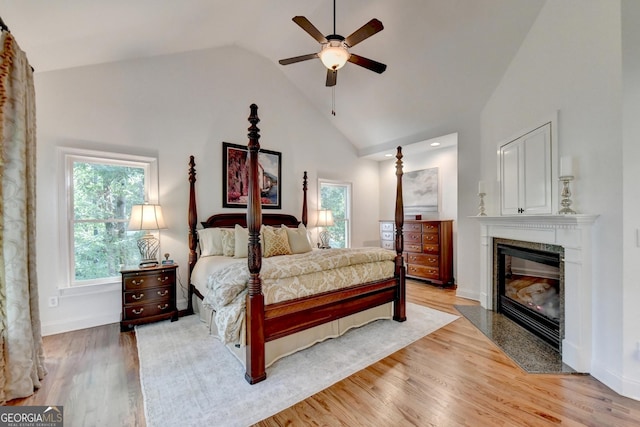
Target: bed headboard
{"x": 229, "y": 220}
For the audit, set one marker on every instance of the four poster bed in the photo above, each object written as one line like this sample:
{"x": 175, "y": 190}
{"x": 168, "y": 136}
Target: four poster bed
{"x": 281, "y": 304}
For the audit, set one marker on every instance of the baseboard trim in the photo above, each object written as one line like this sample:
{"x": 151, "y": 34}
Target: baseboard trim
{"x": 68, "y": 325}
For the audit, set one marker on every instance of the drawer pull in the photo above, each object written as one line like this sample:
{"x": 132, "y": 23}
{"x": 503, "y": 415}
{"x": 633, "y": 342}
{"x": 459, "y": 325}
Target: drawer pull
{"x": 136, "y": 297}
{"x": 134, "y": 282}
{"x": 160, "y": 279}
{"x": 163, "y": 307}
{"x": 429, "y": 237}
{"x": 137, "y": 311}
{"x": 163, "y": 293}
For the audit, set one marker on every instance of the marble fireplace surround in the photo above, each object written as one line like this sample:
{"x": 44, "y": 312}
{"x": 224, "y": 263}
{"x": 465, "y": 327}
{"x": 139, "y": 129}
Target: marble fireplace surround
{"x": 574, "y": 234}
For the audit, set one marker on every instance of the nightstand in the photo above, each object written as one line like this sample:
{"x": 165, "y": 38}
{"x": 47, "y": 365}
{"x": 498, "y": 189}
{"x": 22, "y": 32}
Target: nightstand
{"x": 148, "y": 295}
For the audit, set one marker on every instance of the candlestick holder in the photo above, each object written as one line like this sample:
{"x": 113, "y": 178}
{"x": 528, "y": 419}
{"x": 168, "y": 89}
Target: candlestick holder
{"x": 566, "y": 195}
{"x": 481, "y": 205}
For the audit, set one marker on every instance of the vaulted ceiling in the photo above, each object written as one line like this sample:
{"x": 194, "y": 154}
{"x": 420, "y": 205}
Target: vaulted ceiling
{"x": 444, "y": 57}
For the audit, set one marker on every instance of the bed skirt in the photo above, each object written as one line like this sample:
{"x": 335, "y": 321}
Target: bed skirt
{"x": 281, "y": 347}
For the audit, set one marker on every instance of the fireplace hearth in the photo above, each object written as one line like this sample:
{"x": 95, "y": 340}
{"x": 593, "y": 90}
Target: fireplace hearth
{"x": 528, "y": 287}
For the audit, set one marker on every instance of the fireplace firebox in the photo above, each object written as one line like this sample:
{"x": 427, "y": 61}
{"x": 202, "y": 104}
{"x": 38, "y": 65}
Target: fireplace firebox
{"x": 529, "y": 290}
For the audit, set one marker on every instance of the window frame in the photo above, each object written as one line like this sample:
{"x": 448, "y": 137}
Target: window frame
{"x": 67, "y": 156}
{"x": 349, "y": 197}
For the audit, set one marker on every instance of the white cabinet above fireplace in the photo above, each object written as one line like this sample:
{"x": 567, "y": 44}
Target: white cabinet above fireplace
{"x": 527, "y": 173}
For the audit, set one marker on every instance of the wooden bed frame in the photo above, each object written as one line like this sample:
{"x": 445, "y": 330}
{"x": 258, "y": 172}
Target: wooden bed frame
{"x": 269, "y": 322}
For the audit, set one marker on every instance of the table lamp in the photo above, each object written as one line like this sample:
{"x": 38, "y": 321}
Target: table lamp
{"x": 147, "y": 217}
{"x": 325, "y": 219}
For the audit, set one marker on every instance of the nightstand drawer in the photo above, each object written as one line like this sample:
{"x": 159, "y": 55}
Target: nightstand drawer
{"x": 143, "y": 296}
{"x": 145, "y": 310}
{"x": 143, "y": 280}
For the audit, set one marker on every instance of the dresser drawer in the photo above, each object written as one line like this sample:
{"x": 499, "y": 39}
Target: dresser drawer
{"x": 412, "y": 237}
{"x": 431, "y": 249}
{"x": 143, "y": 296}
{"x": 430, "y": 238}
{"x": 412, "y": 247}
{"x": 423, "y": 271}
{"x": 140, "y": 311}
{"x": 388, "y": 244}
{"x": 386, "y": 226}
{"x": 412, "y": 227}
{"x": 430, "y": 227}
{"x": 143, "y": 280}
{"x": 386, "y": 235}
{"x": 423, "y": 259}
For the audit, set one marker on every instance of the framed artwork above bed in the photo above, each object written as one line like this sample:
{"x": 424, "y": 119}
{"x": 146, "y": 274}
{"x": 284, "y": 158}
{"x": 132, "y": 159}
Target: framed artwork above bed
{"x": 235, "y": 177}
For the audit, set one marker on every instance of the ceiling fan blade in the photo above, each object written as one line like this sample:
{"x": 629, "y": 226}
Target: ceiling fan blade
{"x": 364, "y": 32}
{"x": 300, "y": 58}
{"x": 309, "y": 28}
{"x": 332, "y": 75}
{"x": 367, "y": 63}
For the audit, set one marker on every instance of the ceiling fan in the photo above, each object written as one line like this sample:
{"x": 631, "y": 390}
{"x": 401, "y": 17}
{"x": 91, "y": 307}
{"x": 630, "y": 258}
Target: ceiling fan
{"x": 335, "y": 48}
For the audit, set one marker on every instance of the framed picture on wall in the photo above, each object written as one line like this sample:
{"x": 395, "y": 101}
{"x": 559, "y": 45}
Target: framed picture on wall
{"x": 235, "y": 177}
{"x": 420, "y": 191}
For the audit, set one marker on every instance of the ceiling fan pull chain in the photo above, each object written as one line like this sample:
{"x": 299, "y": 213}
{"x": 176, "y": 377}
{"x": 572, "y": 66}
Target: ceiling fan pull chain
{"x": 333, "y": 100}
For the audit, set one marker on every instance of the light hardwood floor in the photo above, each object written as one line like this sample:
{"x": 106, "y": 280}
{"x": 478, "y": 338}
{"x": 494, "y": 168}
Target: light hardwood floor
{"x": 452, "y": 377}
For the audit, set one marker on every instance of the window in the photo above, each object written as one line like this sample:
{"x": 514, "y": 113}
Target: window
{"x": 336, "y": 196}
{"x": 100, "y": 189}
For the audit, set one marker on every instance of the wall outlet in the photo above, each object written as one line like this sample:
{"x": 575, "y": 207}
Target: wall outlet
{"x": 53, "y": 301}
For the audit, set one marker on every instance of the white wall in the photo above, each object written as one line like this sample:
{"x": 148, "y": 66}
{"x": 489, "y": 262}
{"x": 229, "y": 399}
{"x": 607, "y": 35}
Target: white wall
{"x": 446, "y": 160}
{"x": 631, "y": 202}
{"x": 174, "y": 106}
{"x": 571, "y": 62}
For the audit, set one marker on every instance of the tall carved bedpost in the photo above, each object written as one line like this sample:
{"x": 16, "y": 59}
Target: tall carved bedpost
{"x": 304, "y": 199}
{"x": 255, "y": 359}
{"x": 192, "y": 217}
{"x": 399, "y": 308}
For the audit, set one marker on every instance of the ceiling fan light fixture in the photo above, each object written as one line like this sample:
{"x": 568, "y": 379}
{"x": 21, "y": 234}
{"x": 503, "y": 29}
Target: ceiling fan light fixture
{"x": 334, "y": 54}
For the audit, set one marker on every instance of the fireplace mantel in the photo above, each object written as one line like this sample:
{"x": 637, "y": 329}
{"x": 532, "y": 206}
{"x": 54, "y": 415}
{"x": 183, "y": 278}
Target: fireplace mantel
{"x": 574, "y": 234}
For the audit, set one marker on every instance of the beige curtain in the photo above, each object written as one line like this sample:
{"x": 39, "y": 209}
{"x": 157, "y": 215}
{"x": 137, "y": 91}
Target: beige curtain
{"x": 22, "y": 361}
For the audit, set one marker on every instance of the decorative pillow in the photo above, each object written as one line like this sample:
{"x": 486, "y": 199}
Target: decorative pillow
{"x": 228, "y": 241}
{"x": 210, "y": 240}
{"x": 276, "y": 242}
{"x": 298, "y": 239}
{"x": 242, "y": 242}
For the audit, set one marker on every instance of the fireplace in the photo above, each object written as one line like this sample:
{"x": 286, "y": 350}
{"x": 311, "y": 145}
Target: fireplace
{"x": 528, "y": 287}
{"x": 572, "y": 233}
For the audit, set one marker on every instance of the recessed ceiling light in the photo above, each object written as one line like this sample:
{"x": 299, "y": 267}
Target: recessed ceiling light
{"x": 435, "y": 144}
{"x": 388, "y": 155}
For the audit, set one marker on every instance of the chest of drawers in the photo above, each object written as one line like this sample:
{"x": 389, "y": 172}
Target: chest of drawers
{"x": 148, "y": 295}
{"x": 428, "y": 249}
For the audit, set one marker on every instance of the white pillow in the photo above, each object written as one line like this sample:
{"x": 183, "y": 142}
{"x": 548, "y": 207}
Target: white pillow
{"x": 242, "y": 242}
{"x": 298, "y": 239}
{"x": 210, "y": 240}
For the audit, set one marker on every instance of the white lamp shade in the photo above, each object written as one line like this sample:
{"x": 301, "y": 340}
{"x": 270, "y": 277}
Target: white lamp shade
{"x": 146, "y": 217}
{"x": 325, "y": 218}
{"x": 334, "y": 55}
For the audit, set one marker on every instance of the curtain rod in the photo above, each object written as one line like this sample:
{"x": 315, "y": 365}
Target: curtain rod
{"x": 3, "y": 26}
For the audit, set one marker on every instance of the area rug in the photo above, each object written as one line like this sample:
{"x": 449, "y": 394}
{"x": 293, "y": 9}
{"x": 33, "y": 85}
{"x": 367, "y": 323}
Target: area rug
{"x": 189, "y": 378}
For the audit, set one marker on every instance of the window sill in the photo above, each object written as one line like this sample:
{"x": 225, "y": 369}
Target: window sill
{"x": 91, "y": 289}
